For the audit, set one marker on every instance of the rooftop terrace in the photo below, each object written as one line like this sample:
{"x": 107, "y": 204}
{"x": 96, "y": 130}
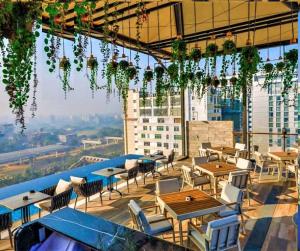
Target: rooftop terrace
{"x": 269, "y": 218}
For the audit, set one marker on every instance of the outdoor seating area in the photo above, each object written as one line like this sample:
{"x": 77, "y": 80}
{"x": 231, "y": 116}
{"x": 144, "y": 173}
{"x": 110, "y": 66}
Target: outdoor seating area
{"x": 180, "y": 205}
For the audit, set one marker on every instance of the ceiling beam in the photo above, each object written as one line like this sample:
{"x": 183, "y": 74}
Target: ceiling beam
{"x": 257, "y": 24}
{"x": 179, "y": 19}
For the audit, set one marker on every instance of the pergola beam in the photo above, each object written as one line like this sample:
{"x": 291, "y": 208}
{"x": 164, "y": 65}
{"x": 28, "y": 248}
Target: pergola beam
{"x": 261, "y": 23}
{"x": 179, "y": 19}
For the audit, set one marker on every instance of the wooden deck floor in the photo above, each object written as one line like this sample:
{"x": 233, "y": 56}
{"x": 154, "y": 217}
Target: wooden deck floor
{"x": 269, "y": 224}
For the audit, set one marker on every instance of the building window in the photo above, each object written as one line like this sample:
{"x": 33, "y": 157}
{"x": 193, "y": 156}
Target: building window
{"x": 160, "y": 128}
{"x": 176, "y": 128}
{"x": 134, "y": 101}
{"x": 145, "y": 120}
{"x": 177, "y": 120}
{"x": 146, "y": 151}
{"x": 143, "y": 135}
{"x": 166, "y": 145}
{"x": 145, "y": 128}
{"x": 160, "y": 120}
{"x": 167, "y": 128}
{"x": 159, "y": 144}
{"x": 146, "y": 143}
{"x": 157, "y": 136}
{"x": 177, "y": 137}
{"x": 167, "y": 136}
{"x": 175, "y": 145}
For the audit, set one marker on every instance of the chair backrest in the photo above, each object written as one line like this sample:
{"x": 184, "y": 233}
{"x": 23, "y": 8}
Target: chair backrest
{"x": 132, "y": 172}
{"x": 240, "y": 146}
{"x": 89, "y": 188}
{"x": 131, "y": 163}
{"x": 293, "y": 149}
{"x": 5, "y": 221}
{"x": 241, "y": 154}
{"x": 167, "y": 186}
{"x": 146, "y": 166}
{"x": 259, "y": 159}
{"x": 203, "y": 152}
{"x": 275, "y": 149}
{"x": 169, "y": 154}
{"x": 139, "y": 216}
{"x": 239, "y": 179}
{"x": 199, "y": 160}
{"x": 61, "y": 200}
{"x": 186, "y": 174}
{"x": 243, "y": 164}
{"x": 205, "y": 145}
{"x": 222, "y": 234}
{"x": 232, "y": 194}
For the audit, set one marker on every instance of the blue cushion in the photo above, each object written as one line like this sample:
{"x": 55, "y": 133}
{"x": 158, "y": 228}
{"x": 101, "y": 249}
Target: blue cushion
{"x": 144, "y": 222}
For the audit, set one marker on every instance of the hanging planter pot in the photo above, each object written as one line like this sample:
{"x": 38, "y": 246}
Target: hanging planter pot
{"x": 233, "y": 80}
{"x": 208, "y": 80}
{"x": 92, "y": 62}
{"x": 148, "y": 75}
{"x": 123, "y": 65}
{"x": 268, "y": 68}
{"x": 229, "y": 47}
{"x": 159, "y": 71}
{"x": 291, "y": 56}
{"x": 131, "y": 71}
{"x": 215, "y": 82}
{"x": 199, "y": 75}
{"x": 224, "y": 82}
{"x": 195, "y": 55}
{"x": 65, "y": 66}
{"x": 280, "y": 66}
{"x": 211, "y": 50}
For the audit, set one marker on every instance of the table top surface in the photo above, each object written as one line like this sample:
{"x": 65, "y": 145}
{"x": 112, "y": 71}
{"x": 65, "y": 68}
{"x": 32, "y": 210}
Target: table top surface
{"x": 283, "y": 155}
{"x": 211, "y": 168}
{"x": 17, "y": 202}
{"x": 200, "y": 201}
{"x": 110, "y": 171}
{"x": 223, "y": 149}
{"x": 153, "y": 157}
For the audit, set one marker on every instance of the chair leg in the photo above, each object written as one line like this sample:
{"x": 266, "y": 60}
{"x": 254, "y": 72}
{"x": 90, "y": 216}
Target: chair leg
{"x": 136, "y": 182}
{"x": 144, "y": 176}
{"x": 173, "y": 232}
{"x": 127, "y": 186}
{"x": 182, "y": 186}
{"x": 239, "y": 245}
{"x": 248, "y": 196}
{"x": 243, "y": 224}
{"x": 101, "y": 198}
{"x": 75, "y": 201}
{"x": 10, "y": 237}
{"x": 40, "y": 212}
{"x": 86, "y": 200}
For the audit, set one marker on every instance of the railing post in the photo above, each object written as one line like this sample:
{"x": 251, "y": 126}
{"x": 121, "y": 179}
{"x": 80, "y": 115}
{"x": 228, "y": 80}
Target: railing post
{"x": 248, "y": 145}
{"x": 284, "y": 138}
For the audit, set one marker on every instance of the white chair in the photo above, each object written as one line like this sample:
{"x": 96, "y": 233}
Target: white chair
{"x": 238, "y": 154}
{"x": 232, "y": 197}
{"x": 197, "y": 161}
{"x": 263, "y": 162}
{"x": 155, "y": 225}
{"x": 192, "y": 179}
{"x": 204, "y": 152}
{"x": 240, "y": 146}
{"x": 238, "y": 179}
{"x": 221, "y": 234}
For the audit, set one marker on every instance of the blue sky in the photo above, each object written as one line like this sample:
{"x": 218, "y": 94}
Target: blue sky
{"x": 50, "y": 96}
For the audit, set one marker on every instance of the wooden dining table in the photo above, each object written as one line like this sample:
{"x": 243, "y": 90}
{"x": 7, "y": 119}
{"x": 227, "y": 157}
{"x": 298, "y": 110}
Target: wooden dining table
{"x": 215, "y": 169}
{"x": 282, "y": 158}
{"x": 181, "y": 209}
{"x": 222, "y": 151}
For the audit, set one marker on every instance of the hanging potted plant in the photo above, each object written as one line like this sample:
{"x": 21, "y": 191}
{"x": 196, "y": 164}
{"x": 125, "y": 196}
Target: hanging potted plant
{"x": 229, "y": 47}
{"x": 131, "y": 71}
{"x": 179, "y": 50}
{"x": 111, "y": 72}
{"x": 270, "y": 75}
{"x": 19, "y": 25}
{"x": 92, "y": 65}
{"x": 195, "y": 55}
{"x": 211, "y": 55}
{"x": 147, "y": 78}
{"x": 215, "y": 82}
{"x": 159, "y": 72}
{"x": 65, "y": 67}
{"x": 173, "y": 74}
{"x": 280, "y": 66}
{"x": 291, "y": 62}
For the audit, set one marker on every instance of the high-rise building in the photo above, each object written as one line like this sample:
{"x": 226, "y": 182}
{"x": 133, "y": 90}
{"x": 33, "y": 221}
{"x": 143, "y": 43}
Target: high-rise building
{"x": 149, "y": 128}
{"x": 270, "y": 113}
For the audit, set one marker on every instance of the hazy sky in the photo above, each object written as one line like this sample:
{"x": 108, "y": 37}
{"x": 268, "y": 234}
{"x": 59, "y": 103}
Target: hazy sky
{"x": 50, "y": 96}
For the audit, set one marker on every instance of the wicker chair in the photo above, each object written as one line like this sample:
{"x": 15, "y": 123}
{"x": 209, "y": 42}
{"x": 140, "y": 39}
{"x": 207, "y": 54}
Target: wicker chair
{"x": 128, "y": 175}
{"x": 88, "y": 189}
{"x": 6, "y": 224}
{"x": 169, "y": 158}
{"x": 57, "y": 201}
{"x": 146, "y": 168}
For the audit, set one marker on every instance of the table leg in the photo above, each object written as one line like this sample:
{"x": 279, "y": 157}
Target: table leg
{"x": 180, "y": 233}
{"x": 280, "y": 170}
{"x": 25, "y": 214}
{"x": 215, "y": 181}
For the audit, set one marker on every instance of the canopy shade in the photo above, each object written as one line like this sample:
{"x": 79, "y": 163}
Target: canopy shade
{"x": 266, "y": 23}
